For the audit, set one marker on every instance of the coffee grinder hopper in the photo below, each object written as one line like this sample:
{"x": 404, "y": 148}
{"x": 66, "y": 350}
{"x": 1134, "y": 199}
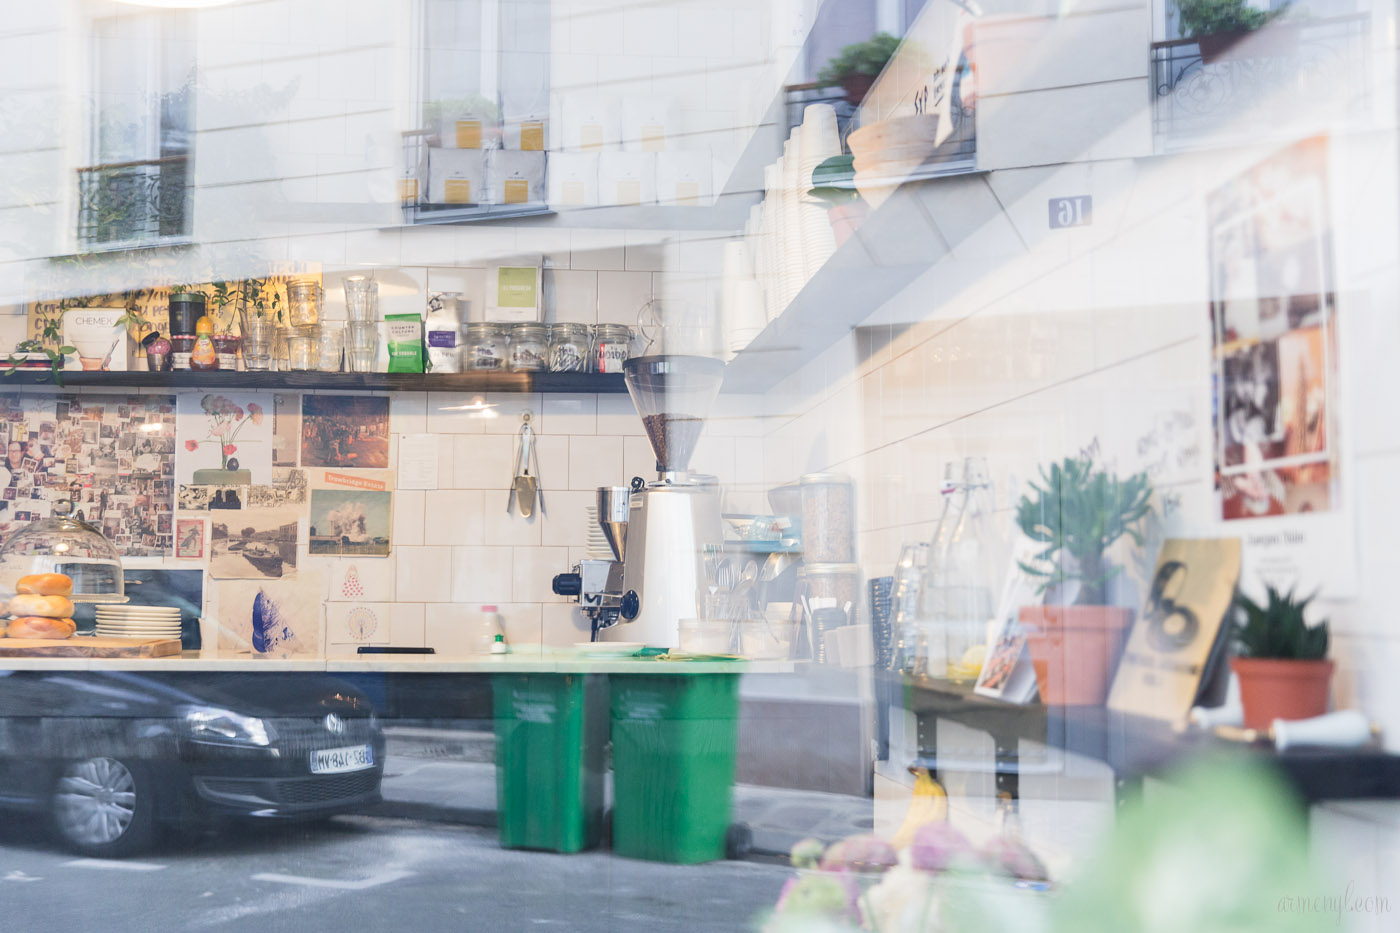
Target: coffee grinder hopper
{"x": 673, "y": 394}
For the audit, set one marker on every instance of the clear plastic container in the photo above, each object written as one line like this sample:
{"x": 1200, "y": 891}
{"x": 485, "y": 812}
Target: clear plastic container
{"x": 65, "y": 544}
{"x": 485, "y": 347}
{"x": 828, "y": 518}
{"x": 569, "y": 348}
{"x": 529, "y": 348}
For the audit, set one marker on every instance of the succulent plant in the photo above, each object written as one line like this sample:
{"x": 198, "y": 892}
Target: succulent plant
{"x": 1077, "y": 513}
{"x": 1278, "y": 629}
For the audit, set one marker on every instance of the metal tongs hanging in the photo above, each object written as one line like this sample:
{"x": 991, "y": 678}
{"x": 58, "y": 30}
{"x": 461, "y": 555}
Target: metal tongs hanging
{"x": 525, "y": 486}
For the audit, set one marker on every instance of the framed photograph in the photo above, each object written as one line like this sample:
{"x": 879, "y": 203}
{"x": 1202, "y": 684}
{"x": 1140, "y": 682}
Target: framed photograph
{"x": 189, "y": 538}
{"x": 345, "y": 431}
{"x": 253, "y": 544}
{"x": 350, "y": 522}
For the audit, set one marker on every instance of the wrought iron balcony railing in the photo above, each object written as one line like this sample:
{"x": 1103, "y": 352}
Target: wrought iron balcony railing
{"x": 128, "y": 204}
{"x": 1289, "y": 75}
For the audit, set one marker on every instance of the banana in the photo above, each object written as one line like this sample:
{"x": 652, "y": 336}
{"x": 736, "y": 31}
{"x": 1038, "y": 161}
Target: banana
{"x": 928, "y": 804}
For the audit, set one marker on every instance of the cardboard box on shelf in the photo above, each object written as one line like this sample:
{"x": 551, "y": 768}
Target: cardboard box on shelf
{"x": 101, "y": 338}
{"x": 573, "y": 179}
{"x": 515, "y": 177}
{"x": 627, "y": 178}
{"x": 456, "y": 176}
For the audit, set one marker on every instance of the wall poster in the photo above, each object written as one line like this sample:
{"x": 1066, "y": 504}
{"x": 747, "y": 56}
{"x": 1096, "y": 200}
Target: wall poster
{"x": 1278, "y": 476}
{"x": 112, "y": 456}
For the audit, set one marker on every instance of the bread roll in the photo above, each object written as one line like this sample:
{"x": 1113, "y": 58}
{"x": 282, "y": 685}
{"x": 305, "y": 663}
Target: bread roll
{"x": 40, "y": 627}
{"x": 50, "y": 607}
{"x": 46, "y": 584}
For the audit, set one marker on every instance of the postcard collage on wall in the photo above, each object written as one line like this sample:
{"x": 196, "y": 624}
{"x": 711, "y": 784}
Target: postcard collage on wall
{"x": 284, "y": 501}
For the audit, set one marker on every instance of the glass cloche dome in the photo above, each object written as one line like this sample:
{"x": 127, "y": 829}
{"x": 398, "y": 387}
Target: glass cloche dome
{"x": 65, "y": 544}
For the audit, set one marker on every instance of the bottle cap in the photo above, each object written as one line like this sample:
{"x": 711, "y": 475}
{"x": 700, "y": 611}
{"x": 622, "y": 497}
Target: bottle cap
{"x": 488, "y": 608}
{"x": 500, "y": 638}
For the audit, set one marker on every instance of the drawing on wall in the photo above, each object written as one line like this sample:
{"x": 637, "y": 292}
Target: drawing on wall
{"x": 224, "y": 440}
{"x": 112, "y": 456}
{"x": 272, "y": 618}
{"x": 286, "y": 429}
{"x": 357, "y": 623}
{"x": 189, "y": 538}
{"x": 1274, "y": 333}
{"x": 354, "y": 580}
{"x": 345, "y": 431}
{"x": 252, "y": 544}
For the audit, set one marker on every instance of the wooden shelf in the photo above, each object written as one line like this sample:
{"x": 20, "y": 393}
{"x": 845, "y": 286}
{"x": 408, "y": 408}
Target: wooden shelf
{"x": 1135, "y": 746}
{"x": 574, "y": 383}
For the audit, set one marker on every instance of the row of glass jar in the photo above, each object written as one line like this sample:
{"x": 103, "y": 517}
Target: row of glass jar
{"x": 535, "y": 347}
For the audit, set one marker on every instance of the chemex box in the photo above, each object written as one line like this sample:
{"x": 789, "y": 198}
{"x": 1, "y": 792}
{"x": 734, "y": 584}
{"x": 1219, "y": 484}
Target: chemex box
{"x": 100, "y": 337}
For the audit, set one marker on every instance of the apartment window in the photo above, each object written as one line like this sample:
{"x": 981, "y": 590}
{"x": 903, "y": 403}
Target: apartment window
{"x": 134, "y": 189}
{"x": 483, "y": 114}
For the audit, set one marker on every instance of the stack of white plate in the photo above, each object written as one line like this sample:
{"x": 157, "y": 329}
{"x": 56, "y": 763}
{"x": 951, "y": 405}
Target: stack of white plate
{"x": 120, "y": 621}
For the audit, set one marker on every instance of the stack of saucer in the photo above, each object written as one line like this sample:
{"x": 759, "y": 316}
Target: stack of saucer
{"x": 119, "y": 621}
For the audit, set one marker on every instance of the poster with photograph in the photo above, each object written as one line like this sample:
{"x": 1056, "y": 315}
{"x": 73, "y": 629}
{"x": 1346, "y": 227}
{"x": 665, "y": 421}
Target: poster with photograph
{"x": 1179, "y": 630}
{"x": 288, "y": 489}
{"x": 286, "y": 429}
{"x": 189, "y": 538}
{"x": 350, "y": 522}
{"x": 271, "y": 618}
{"x": 1276, "y": 371}
{"x": 225, "y": 440}
{"x": 112, "y": 456}
{"x": 345, "y": 431}
{"x": 253, "y": 544}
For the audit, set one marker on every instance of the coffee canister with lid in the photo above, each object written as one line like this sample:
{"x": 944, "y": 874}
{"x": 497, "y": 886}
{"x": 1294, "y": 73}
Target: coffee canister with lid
{"x": 529, "y": 347}
{"x": 569, "y": 346}
{"x": 485, "y": 346}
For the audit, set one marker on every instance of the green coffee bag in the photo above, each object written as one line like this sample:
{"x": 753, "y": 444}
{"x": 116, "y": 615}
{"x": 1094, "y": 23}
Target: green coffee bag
{"x": 405, "y": 342}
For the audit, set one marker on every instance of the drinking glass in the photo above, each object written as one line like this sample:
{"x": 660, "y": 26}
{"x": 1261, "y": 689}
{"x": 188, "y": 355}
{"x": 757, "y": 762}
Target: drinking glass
{"x": 301, "y": 348}
{"x": 259, "y": 336}
{"x": 330, "y": 346}
{"x": 361, "y": 346}
{"x": 361, "y": 298}
{"x": 304, "y": 303}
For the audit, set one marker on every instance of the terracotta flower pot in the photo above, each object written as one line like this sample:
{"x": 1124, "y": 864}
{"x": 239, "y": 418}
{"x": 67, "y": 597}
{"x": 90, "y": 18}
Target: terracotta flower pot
{"x": 857, "y": 86}
{"x": 1275, "y": 41}
{"x": 846, "y": 219}
{"x": 1075, "y": 650}
{"x": 1276, "y": 689}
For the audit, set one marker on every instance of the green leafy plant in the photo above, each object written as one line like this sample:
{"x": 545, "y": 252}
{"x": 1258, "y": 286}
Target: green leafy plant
{"x": 861, "y": 58}
{"x": 833, "y": 181}
{"x": 1217, "y": 17}
{"x": 1077, "y": 513}
{"x": 1278, "y": 629}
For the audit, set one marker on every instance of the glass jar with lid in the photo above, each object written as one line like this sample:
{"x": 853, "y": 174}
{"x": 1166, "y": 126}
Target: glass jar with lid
{"x": 484, "y": 346}
{"x": 303, "y": 303}
{"x": 612, "y": 345}
{"x": 529, "y": 347}
{"x": 569, "y": 346}
{"x": 65, "y": 543}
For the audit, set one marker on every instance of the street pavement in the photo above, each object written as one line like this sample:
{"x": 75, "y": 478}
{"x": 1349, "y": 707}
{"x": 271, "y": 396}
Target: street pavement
{"x": 427, "y": 859}
{"x": 356, "y": 873}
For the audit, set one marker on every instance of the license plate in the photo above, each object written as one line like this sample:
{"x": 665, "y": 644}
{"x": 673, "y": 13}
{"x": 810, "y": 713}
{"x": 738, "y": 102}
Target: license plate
{"x": 338, "y": 760}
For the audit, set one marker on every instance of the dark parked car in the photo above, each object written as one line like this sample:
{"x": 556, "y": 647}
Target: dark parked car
{"x": 110, "y": 755}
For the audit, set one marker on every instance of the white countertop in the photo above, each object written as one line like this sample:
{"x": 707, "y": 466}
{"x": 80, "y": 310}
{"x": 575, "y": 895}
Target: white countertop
{"x": 560, "y": 661}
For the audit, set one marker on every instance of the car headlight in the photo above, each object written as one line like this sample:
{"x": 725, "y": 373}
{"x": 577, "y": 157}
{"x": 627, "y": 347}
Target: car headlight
{"x": 212, "y": 724}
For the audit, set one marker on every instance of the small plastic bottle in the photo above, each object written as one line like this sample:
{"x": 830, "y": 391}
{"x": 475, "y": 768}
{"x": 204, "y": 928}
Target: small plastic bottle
{"x": 491, "y": 631}
{"x": 499, "y": 646}
{"x": 204, "y": 356}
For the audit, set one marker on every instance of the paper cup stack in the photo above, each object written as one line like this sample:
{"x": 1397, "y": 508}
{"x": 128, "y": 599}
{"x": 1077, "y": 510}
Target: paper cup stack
{"x": 819, "y": 141}
{"x": 119, "y": 621}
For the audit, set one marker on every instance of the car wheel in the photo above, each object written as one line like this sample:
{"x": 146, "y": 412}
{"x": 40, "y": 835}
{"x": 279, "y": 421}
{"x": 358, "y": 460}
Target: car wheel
{"x": 104, "y": 807}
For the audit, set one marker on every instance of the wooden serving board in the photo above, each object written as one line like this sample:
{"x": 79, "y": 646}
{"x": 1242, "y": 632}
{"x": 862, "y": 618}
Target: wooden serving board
{"x": 83, "y": 646}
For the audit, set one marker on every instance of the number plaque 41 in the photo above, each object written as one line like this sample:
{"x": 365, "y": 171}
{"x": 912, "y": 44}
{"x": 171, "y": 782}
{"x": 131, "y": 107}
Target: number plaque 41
{"x": 1071, "y": 212}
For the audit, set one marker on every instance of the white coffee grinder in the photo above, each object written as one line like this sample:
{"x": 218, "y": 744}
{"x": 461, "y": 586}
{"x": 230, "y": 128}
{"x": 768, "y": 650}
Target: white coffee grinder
{"x": 672, "y": 522}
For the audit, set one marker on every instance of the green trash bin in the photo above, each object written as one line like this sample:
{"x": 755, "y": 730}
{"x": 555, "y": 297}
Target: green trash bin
{"x": 673, "y": 743}
{"x": 550, "y": 733}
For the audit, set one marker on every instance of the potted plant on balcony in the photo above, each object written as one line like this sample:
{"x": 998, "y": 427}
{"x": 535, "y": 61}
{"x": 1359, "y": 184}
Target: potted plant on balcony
{"x": 1077, "y": 513}
{"x": 833, "y": 183}
{"x": 1280, "y": 660}
{"x": 857, "y": 66}
{"x": 1217, "y": 25}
